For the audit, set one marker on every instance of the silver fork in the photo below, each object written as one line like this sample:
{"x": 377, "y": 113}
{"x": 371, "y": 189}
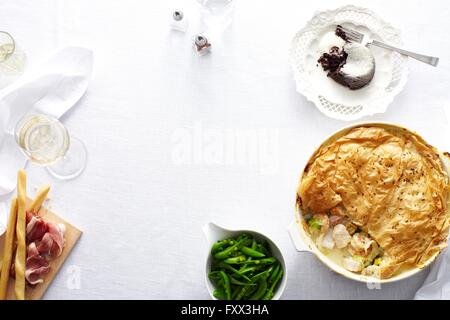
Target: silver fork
{"x": 356, "y": 36}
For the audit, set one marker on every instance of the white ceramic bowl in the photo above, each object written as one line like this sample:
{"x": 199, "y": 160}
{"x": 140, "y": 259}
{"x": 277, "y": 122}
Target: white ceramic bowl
{"x": 214, "y": 233}
{"x": 303, "y": 243}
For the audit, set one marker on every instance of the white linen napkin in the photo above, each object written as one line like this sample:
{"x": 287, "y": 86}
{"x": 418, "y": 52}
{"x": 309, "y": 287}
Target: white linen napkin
{"x": 52, "y": 89}
{"x": 437, "y": 283}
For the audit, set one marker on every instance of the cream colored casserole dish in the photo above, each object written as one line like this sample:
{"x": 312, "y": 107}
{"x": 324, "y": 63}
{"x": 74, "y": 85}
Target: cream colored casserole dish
{"x": 373, "y": 203}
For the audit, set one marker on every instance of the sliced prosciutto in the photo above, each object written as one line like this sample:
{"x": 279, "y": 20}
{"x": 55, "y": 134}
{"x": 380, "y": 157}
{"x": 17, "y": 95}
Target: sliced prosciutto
{"x": 52, "y": 242}
{"x": 36, "y": 228}
{"x": 36, "y": 265}
{"x": 45, "y": 242}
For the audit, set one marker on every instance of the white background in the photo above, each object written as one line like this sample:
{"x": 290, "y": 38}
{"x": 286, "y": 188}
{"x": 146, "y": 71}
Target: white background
{"x": 155, "y": 114}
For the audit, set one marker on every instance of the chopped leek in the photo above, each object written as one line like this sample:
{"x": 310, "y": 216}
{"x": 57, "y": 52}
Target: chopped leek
{"x": 315, "y": 224}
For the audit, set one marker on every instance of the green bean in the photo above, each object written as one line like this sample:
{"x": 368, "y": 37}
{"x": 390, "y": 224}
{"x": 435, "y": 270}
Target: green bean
{"x": 250, "y": 292}
{"x": 237, "y": 272}
{"x": 259, "y": 293}
{"x": 252, "y": 253}
{"x": 243, "y": 236}
{"x": 235, "y": 292}
{"x": 245, "y": 242}
{"x": 262, "y": 248}
{"x": 219, "y": 245}
{"x": 221, "y": 255}
{"x": 261, "y": 261}
{"x": 274, "y": 274}
{"x": 269, "y": 294}
{"x": 265, "y": 274}
{"x": 241, "y": 283}
{"x": 254, "y": 243}
{"x": 243, "y": 292}
{"x": 235, "y": 260}
{"x": 236, "y": 253}
{"x": 247, "y": 269}
{"x": 226, "y": 284}
{"x": 219, "y": 294}
{"x": 214, "y": 276}
{"x": 213, "y": 273}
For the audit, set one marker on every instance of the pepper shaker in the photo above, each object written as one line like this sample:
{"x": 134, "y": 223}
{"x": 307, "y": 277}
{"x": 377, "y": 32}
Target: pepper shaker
{"x": 201, "y": 45}
{"x": 179, "y": 22}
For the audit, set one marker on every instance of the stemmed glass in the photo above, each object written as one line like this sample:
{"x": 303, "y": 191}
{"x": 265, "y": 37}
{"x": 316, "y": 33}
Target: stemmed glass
{"x": 216, "y": 14}
{"x": 12, "y": 60}
{"x": 7, "y": 46}
{"x": 47, "y": 142}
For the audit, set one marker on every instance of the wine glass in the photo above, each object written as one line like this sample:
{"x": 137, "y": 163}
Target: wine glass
{"x": 12, "y": 59}
{"x": 216, "y": 14}
{"x": 7, "y": 46}
{"x": 47, "y": 142}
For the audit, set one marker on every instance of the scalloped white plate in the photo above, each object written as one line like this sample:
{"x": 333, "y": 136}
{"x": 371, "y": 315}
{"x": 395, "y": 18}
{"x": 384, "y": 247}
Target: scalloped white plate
{"x": 331, "y": 98}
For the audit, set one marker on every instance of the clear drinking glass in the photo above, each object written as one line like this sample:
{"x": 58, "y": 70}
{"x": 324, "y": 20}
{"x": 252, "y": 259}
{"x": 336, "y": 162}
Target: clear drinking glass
{"x": 7, "y": 46}
{"x": 217, "y": 13}
{"x": 12, "y": 59}
{"x": 47, "y": 142}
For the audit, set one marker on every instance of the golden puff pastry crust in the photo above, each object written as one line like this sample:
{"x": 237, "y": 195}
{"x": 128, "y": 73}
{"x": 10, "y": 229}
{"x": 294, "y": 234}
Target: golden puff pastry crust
{"x": 391, "y": 183}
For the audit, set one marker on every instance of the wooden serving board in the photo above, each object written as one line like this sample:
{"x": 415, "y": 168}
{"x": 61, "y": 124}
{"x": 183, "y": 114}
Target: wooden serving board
{"x": 71, "y": 237}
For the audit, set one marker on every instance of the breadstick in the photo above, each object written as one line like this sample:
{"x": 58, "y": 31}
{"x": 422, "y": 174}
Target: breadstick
{"x": 21, "y": 234}
{"x": 39, "y": 200}
{"x": 8, "y": 249}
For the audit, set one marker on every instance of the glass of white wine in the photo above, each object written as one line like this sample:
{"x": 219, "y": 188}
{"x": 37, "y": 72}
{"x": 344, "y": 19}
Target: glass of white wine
{"x": 12, "y": 59}
{"x": 47, "y": 142}
{"x": 7, "y": 46}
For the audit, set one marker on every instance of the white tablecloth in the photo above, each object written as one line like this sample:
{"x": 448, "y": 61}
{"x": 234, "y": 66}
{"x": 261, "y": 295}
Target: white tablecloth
{"x": 160, "y": 123}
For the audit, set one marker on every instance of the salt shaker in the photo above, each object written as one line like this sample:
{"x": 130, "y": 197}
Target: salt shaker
{"x": 201, "y": 45}
{"x": 179, "y": 22}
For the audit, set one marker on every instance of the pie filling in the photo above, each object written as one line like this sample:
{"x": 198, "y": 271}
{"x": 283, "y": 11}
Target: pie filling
{"x": 343, "y": 241}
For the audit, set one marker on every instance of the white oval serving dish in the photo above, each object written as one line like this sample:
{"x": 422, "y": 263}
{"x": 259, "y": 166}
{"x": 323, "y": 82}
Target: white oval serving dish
{"x": 303, "y": 243}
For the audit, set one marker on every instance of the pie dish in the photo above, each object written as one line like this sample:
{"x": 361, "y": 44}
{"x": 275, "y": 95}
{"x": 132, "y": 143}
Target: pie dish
{"x": 373, "y": 203}
{"x": 331, "y": 98}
